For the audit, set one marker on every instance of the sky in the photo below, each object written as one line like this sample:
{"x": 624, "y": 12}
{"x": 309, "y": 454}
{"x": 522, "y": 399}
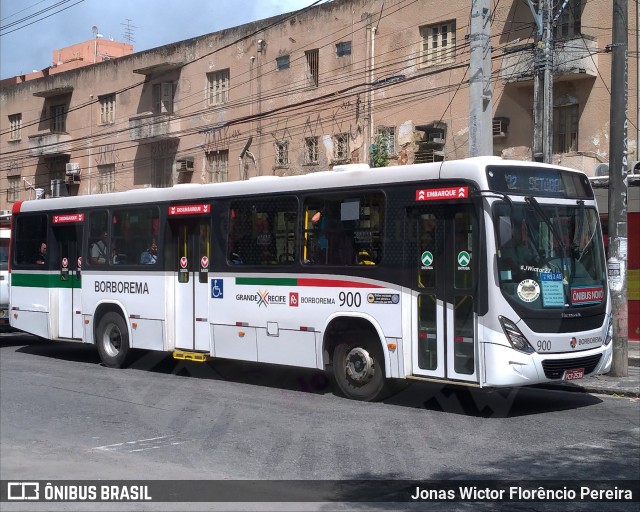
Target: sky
{"x": 28, "y": 39}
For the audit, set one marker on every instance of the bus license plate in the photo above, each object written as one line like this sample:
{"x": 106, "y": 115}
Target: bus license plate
{"x": 575, "y": 374}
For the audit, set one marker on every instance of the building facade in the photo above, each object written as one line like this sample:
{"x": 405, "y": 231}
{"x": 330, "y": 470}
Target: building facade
{"x": 304, "y": 91}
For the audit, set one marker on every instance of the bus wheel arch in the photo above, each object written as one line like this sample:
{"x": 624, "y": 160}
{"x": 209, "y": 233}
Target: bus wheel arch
{"x": 111, "y": 335}
{"x": 354, "y": 358}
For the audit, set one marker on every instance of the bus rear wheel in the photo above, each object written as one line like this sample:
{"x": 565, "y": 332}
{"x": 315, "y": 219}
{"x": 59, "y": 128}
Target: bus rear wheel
{"x": 358, "y": 371}
{"x": 112, "y": 339}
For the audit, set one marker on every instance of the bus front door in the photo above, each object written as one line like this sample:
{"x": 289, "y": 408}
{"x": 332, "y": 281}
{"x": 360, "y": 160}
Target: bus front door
{"x": 191, "y": 239}
{"x": 66, "y": 257}
{"x": 442, "y": 252}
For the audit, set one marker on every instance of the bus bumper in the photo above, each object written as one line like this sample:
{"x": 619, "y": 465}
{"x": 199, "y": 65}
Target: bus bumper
{"x": 508, "y": 367}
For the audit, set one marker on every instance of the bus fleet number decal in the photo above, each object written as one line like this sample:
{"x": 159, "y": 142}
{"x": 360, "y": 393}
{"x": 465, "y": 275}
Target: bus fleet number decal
{"x": 350, "y": 299}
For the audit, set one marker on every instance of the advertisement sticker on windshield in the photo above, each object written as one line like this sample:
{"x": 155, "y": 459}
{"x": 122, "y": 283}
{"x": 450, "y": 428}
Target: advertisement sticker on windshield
{"x": 528, "y": 290}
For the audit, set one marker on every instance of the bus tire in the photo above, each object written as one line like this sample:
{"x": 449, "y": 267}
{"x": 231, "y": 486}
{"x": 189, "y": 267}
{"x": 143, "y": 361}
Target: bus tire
{"x": 358, "y": 371}
{"x": 112, "y": 339}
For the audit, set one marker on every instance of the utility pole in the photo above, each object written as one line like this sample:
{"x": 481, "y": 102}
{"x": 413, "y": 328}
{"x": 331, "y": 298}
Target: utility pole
{"x": 480, "y": 104}
{"x": 618, "y": 151}
{"x": 542, "y": 144}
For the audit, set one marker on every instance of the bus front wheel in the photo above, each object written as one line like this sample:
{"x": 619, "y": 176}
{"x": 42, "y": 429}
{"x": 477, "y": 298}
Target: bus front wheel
{"x": 358, "y": 371}
{"x": 113, "y": 341}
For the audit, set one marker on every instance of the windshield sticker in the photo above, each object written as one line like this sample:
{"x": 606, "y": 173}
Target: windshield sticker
{"x": 528, "y": 290}
{"x": 464, "y": 258}
{"x": 427, "y": 260}
{"x": 552, "y": 290}
{"x": 584, "y": 295}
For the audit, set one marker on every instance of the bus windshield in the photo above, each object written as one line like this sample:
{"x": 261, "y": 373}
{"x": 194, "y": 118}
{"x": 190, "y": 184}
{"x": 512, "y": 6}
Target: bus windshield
{"x": 550, "y": 256}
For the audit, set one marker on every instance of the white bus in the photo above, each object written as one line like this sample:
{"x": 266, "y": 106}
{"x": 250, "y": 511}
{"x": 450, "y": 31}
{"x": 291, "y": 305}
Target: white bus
{"x": 5, "y": 233}
{"x": 480, "y": 272}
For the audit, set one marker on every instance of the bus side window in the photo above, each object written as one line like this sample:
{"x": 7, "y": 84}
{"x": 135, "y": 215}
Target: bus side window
{"x": 31, "y": 232}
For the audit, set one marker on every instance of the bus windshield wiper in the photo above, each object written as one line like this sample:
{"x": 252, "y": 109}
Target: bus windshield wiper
{"x": 543, "y": 215}
{"x": 577, "y": 237}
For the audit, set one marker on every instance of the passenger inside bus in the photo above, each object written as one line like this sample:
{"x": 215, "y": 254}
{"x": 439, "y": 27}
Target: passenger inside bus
{"x": 99, "y": 253}
{"x": 150, "y": 255}
{"x": 41, "y": 256}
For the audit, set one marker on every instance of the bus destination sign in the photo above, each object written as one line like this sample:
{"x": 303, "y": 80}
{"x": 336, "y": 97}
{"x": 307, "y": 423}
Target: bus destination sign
{"x": 438, "y": 194}
{"x": 189, "y": 209}
{"x": 66, "y": 218}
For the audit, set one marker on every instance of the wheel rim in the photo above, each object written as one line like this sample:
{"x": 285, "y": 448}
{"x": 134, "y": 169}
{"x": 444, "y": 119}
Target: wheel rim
{"x": 112, "y": 340}
{"x": 359, "y": 365}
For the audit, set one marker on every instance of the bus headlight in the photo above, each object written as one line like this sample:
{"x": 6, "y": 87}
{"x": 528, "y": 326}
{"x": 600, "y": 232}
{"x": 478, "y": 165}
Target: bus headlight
{"x": 515, "y": 337}
{"x": 609, "y": 336}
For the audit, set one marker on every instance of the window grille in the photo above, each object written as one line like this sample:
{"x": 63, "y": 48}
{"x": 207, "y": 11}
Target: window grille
{"x": 15, "y": 123}
{"x": 218, "y": 166}
{"x": 565, "y": 129}
{"x": 388, "y": 133}
{"x": 282, "y": 153}
{"x": 313, "y": 64}
{"x": 58, "y": 118}
{"x": 163, "y": 98}
{"x": 108, "y": 109}
{"x": 438, "y": 44}
{"x": 341, "y": 147}
{"x": 218, "y": 87}
{"x": 311, "y": 150}
{"x": 106, "y": 178}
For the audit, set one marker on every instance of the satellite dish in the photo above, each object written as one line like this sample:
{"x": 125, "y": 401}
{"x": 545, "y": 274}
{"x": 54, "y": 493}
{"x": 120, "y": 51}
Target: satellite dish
{"x": 94, "y": 29}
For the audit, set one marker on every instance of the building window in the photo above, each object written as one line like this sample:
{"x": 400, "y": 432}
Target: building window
{"x": 218, "y": 166}
{"x": 565, "y": 129}
{"x": 162, "y": 173}
{"x": 218, "y": 87}
{"x": 569, "y": 23}
{"x": 108, "y": 109}
{"x": 13, "y": 188}
{"x": 282, "y": 153}
{"x": 311, "y": 150}
{"x": 313, "y": 66}
{"x": 388, "y": 134}
{"x": 163, "y": 98}
{"x": 438, "y": 44}
{"x": 58, "y": 118}
{"x": 15, "y": 122}
{"x": 341, "y": 147}
{"x": 106, "y": 178}
{"x": 282, "y": 62}
{"x": 343, "y": 48}
{"x": 57, "y": 167}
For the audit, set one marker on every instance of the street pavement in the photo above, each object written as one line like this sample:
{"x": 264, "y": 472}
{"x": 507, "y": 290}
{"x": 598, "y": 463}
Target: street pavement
{"x": 607, "y": 384}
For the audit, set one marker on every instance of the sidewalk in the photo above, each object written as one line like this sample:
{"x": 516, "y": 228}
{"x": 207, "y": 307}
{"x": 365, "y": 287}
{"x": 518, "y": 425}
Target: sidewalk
{"x": 608, "y": 385}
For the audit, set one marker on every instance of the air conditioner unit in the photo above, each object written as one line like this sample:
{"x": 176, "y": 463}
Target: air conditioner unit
{"x": 72, "y": 169}
{"x": 602, "y": 170}
{"x": 185, "y": 164}
{"x": 436, "y": 137}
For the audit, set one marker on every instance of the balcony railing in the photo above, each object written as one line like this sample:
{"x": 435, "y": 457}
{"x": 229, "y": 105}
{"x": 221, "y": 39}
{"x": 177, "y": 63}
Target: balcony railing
{"x": 573, "y": 58}
{"x": 49, "y": 143}
{"x": 148, "y": 126}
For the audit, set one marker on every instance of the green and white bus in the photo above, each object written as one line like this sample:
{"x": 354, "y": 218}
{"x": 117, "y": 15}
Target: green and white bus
{"x": 480, "y": 272}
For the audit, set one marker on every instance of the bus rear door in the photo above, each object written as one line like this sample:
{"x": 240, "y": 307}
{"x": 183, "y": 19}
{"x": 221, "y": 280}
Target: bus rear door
{"x": 441, "y": 248}
{"x": 191, "y": 240}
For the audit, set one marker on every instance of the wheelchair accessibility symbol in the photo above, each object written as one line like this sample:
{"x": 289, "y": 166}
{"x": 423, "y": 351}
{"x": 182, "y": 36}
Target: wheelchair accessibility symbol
{"x": 217, "y": 288}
